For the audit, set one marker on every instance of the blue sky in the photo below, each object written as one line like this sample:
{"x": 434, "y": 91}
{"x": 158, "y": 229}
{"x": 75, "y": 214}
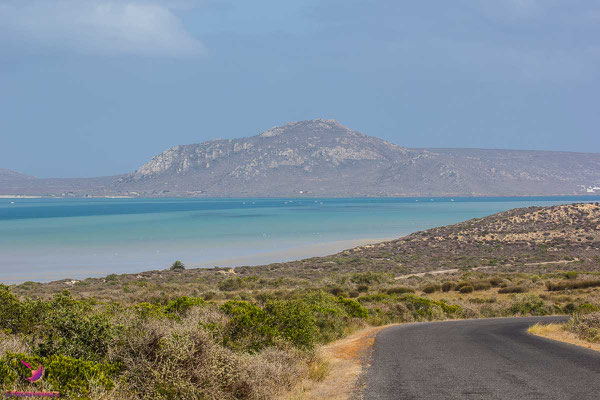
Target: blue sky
{"x": 97, "y": 87}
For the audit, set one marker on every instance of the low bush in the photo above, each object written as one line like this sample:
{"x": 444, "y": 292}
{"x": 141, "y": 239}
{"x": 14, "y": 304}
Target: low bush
{"x": 73, "y": 328}
{"x": 529, "y": 305}
{"x": 303, "y": 322}
{"x": 177, "y": 266}
{"x": 367, "y": 278}
{"x": 353, "y": 308}
{"x": 481, "y": 285}
{"x": 400, "y": 290}
{"x": 571, "y": 284}
{"x": 73, "y": 378}
{"x": 466, "y": 289}
{"x": 424, "y": 308}
{"x": 248, "y": 328}
{"x": 513, "y": 289}
{"x": 571, "y": 275}
{"x": 586, "y": 326}
{"x": 337, "y": 291}
{"x": 362, "y": 288}
{"x": 181, "y": 305}
{"x": 460, "y": 284}
{"x": 586, "y": 308}
{"x": 496, "y": 281}
{"x": 431, "y": 288}
{"x": 448, "y": 286}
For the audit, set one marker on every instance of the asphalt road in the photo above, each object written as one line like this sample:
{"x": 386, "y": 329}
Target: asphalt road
{"x": 479, "y": 359}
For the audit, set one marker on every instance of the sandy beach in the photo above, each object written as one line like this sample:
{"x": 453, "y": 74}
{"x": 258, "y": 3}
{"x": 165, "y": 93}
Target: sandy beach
{"x": 297, "y": 253}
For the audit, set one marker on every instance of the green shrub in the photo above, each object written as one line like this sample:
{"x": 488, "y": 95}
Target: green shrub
{"x": 73, "y": 378}
{"x": 375, "y": 298}
{"x": 569, "y": 308}
{"x": 571, "y": 274}
{"x": 146, "y": 311}
{"x": 353, "y": 308}
{"x": 182, "y": 304}
{"x": 248, "y": 328}
{"x": 367, "y": 278}
{"x": 586, "y": 326}
{"x": 571, "y": 284}
{"x": 460, "y": 284}
{"x": 424, "y": 308}
{"x": 73, "y": 328}
{"x": 466, "y": 289}
{"x": 529, "y": 305}
{"x": 400, "y": 290}
{"x": 513, "y": 289}
{"x": 11, "y": 310}
{"x": 177, "y": 266}
{"x": 431, "y": 288}
{"x": 293, "y": 321}
{"x": 337, "y": 291}
{"x": 230, "y": 284}
{"x": 481, "y": 285}
{"x": 448, "y": 286}
{"x": 586, "y": 308}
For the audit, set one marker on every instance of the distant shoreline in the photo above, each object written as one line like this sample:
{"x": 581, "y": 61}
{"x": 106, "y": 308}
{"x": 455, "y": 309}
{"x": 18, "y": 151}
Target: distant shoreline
{"x": 293, "y": 254}
{"x": 263, "y": 258}
{"x": 305, "y": 196}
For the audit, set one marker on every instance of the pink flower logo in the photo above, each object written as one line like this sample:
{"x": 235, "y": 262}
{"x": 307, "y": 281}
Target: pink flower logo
{"x": 36, "y": 374}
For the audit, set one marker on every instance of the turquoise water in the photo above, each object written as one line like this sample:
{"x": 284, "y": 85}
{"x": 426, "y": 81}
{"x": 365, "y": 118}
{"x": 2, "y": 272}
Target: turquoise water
{"x": 47, "y": 239}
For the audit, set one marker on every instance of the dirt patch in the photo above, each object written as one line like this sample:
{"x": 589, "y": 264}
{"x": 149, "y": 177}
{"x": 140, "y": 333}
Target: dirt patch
{"x": 345, "y": 360}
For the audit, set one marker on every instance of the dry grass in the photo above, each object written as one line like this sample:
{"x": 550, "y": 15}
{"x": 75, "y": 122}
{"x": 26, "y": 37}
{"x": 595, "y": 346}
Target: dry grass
{"x": 345, "y": 358}
{"x": 11, "y": 344}
{"x": 558, "y": 332}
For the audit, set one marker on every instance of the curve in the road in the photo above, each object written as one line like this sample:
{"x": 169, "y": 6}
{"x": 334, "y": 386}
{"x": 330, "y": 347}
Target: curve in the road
{"x": 479, "y": 359}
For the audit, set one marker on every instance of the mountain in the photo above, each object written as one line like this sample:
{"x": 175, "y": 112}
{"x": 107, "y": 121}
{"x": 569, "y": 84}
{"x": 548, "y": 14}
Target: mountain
{"x": 324, "y": 158}
{"x": 8, "y": 176}
{"x": 16, "y": 183}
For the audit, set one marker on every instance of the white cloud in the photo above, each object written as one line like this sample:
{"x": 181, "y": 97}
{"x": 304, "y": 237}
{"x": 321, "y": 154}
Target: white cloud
{"x": 135, "y": 27}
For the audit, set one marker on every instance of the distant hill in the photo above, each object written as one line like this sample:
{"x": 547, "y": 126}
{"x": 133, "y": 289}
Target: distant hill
{"x": 8, "y": 176}
{"x": 324, "y": 158}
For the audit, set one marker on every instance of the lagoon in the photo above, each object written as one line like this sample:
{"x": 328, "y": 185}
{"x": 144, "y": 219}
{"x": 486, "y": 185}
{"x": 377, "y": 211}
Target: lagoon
{"x": 50, "y": 239}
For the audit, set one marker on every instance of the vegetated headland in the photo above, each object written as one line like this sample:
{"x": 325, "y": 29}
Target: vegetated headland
{"x": 254, "y": 332}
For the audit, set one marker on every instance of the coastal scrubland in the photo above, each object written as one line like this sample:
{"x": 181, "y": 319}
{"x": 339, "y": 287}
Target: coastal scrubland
{"x": 255, "y": 332}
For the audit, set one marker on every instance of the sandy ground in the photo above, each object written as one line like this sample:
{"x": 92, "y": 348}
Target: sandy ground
{"x": 296, "y": 253}
{"x": 346, "y": 360}
{"x": 16, "y": 196}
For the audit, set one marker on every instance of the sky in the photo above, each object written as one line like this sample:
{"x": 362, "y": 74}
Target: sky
{"x": 98, "y": 87}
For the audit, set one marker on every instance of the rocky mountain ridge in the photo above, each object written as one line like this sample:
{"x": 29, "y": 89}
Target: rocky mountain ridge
{"x": 324, "y": 158}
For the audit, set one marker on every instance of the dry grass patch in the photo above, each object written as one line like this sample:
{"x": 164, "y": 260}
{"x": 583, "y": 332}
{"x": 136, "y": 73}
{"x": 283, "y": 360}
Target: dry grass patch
{"x": 334, "y": 373}
{"x": 557, "y": 332}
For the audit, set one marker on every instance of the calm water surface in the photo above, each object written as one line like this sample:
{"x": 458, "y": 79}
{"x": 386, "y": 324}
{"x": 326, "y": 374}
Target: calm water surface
{"x": 46, "y": 239}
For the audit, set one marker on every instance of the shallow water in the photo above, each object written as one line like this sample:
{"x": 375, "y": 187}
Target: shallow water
{"x": 47, "y": 239}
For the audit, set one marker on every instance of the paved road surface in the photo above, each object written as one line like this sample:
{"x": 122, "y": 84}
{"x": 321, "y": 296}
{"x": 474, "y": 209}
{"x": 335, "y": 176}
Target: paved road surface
{"x": 479, "y": 359}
